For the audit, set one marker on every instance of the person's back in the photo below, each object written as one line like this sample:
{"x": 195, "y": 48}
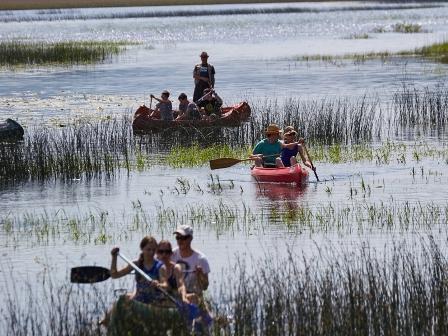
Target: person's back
{"x": 166, "y": 110}
{"x": 193, "y": 112}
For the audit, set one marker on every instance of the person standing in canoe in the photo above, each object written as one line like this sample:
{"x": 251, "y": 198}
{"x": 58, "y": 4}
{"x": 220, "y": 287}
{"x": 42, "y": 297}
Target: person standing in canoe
{"x": 204, "y": 77}
{"x": 164, "y": 109}
{"x": 290, "y": 149}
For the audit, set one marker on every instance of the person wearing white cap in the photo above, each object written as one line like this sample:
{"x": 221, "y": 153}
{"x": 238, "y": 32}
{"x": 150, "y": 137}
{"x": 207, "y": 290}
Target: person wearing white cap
{"x": 194, "y": 264}
{"x": 204, "y": 76}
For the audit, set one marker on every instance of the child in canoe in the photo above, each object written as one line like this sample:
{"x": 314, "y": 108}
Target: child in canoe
{"x": 164, "y": 109}
{"x": 290, "y": 148}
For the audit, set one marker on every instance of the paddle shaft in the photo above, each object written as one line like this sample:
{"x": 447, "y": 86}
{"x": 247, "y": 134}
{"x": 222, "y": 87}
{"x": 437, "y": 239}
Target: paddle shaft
{"x": 309, "y": 159}
{"x": 146, "y": 276}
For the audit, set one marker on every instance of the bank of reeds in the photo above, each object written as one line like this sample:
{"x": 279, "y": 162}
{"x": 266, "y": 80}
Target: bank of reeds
{"x": 100, "y": 148}
{"x": 88, "y": 150}
{"x": 356, "y": 293}
{"x": 47, "y": 307}
{"x": 18, "y": 53}
{"x": 425, "y": 111}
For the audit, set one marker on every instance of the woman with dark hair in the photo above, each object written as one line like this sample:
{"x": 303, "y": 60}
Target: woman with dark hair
{"x": 145, "y": 291}
{"x": 170, "y": 273}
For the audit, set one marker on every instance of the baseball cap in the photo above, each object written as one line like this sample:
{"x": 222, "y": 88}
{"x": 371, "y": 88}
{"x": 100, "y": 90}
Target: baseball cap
{"x": 184, "y": 230}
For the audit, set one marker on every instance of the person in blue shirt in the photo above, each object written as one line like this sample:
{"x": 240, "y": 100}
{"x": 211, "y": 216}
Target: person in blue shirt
{"x": 290, "y": 149}
{"x": 164, "y": 109}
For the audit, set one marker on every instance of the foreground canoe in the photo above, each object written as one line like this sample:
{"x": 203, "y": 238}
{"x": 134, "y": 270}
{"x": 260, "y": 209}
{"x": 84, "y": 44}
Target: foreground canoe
{"x": 11, "y": 129}
{"x": 232, "y": 116}
{"x": 135, "y": 318}
{"x": 295, "y": 174}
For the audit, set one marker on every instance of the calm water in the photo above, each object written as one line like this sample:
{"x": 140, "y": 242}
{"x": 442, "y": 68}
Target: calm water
{"x": 256, "y": 57}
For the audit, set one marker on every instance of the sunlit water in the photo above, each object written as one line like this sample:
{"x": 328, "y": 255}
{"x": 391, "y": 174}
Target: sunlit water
{"x": 256, "y": 56}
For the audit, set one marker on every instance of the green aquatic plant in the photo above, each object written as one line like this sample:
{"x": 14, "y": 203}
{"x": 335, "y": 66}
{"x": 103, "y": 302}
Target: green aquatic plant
{"x": 196, "y": 155}
{"x": 14, "y": 53}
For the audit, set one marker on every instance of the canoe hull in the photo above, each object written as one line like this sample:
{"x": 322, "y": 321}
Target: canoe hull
{"x": 130, "y": 317}
{"x": 232, "y": 116}
{"x": 295, "y": 174}
{"x": 11, "y": 129}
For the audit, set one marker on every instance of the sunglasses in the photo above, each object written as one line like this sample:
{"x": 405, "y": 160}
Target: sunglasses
{"x": 182, "y": 237}
{"x": 164, "y": 251}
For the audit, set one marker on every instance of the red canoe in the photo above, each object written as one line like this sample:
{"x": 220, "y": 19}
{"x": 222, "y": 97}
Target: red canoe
{"x": 295, "y": 174}
{"x": 231, "y": 116}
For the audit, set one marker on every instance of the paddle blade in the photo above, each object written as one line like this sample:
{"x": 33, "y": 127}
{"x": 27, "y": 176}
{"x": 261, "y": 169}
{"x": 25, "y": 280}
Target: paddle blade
{"x": 89, "y": 274}
{"x": 223, "y": 163}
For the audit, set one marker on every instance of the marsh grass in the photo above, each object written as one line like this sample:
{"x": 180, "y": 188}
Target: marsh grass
{"x": 334, "y": 292}
{"x": 89, "y": 150}
{"x": 17, "y": 53}
{"x": 47, "y": 307}
{"x": 359, "y": 216}
{"x": 342, "y": 294}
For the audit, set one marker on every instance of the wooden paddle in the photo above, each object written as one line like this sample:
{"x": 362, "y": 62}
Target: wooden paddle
{"x": 226, "y": 162}
{"x": 309, "y": 159}
{"x": 229, "y": 162}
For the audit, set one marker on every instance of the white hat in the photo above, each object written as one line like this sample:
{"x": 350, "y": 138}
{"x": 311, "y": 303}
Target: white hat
{"x": 184, "y": 230}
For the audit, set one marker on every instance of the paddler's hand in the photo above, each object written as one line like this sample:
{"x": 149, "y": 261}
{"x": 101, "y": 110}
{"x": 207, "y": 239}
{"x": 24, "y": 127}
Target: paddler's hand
{"x": 115, "y": 251}
{"x": 154, "y": 283}
{"x": 301, "y": 141}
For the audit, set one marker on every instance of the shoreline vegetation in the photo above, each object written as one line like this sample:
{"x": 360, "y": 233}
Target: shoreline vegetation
{"x": 436, "y": 51}
{"x": 55, "y": 4}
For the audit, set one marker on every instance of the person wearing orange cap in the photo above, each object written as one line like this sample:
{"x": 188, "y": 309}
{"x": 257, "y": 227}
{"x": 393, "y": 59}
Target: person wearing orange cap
{"x": 204, "y": 77}
{"x": 266, "y": 151}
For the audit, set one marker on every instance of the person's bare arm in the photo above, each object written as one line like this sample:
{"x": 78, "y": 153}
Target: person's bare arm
{"x": 114, "y": 273}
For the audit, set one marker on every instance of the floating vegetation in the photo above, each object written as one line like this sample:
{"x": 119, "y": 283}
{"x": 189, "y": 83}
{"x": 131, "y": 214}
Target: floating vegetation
{"x": 101, "y": 227}
{"x": 406, "y": 28}
{"x": 359, "y": 36}
{"x": 16, "y": 53}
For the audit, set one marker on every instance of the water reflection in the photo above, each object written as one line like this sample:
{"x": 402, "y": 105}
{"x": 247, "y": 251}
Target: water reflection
{"x": 276, "y": 192}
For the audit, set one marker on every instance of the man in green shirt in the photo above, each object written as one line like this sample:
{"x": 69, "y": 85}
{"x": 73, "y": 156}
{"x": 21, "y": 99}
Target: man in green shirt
{"x": 268, "y": 149}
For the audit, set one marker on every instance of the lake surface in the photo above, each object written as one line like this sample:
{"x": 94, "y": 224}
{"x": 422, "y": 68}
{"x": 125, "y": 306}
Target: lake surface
{"x": 258, "y": 55}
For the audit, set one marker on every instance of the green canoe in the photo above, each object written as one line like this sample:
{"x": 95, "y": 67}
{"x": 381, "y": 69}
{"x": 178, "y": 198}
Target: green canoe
{"x": 133, "y": 318}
